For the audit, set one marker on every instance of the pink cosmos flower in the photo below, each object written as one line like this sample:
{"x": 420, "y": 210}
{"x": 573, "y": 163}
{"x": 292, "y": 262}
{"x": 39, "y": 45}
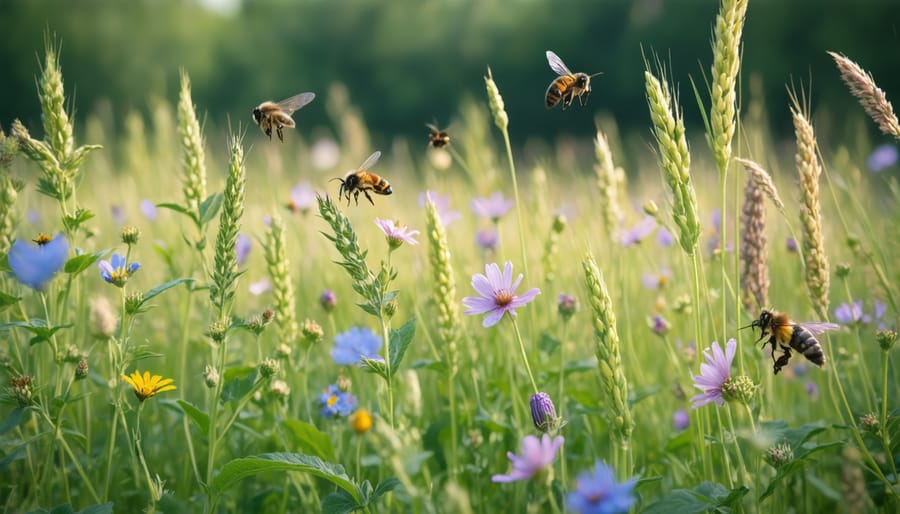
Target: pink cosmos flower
{"x": 397, "y": 234}
{"x": 537, "y": 454}
{"x": 497, "y": 294}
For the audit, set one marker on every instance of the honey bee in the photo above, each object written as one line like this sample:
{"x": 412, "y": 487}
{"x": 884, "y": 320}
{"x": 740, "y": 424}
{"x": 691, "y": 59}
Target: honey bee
{"x": 437, "y": 138}
{"x": 567, "y": 85}
{"x": 278, "y": 115}
{"x": 362, "y": 180}
{"x": 789, "y": 335}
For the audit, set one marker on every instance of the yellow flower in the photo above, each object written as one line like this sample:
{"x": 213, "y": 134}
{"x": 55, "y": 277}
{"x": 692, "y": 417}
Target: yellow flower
{"x": 361, "y": 421}
{"x": 146, "y": 386}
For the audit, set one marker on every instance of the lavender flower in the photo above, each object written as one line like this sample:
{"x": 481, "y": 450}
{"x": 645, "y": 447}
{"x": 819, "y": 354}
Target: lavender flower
{"x": 117, "y": 271}
{"x": 497, "y": 294}
{"x": 680, "y": 420}
{"x": 492, "y": 208}
{"x": 396, "y": 234}
{"x": 260, "y": 286}
{"x": 848, "y": 314}
{"x": 543, "y": 413}
{"x": 242, "y": 246}
{"x": 657, "y": 280}
{"x": 537, "y": 454}
{"x": 568, "y": 306}
{"x": 354, "y": 344}
{"x": 487, "y": 239}
{"x": 713, "y": 374}
{"x": 334, "y": 402}
{"x": 148, "y": 209}
{"x": 302, "y": 198}
{"x": 637, "y": 233}
{"x": 884, "y": 156}
{"x": 659, "y": 325}
{"x": 328, "y": 300}
{"x": 791, "y": 244}
{"x": 812, "y": 389}
{"x": 442, "y": 205}
{"x": 35, "y": 264}
{"x": 598, "y": 492}
{"x": 664, "y": 238}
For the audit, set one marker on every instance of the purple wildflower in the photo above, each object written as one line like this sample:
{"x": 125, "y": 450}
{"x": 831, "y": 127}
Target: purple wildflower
{"x": 116, "y": 270}
{"x": 441, "y": 205}
{"x": 396, "y": 234}
{"x": 680, "y": 420}
{"x": 568, "y": 305}
{"x": 637, "y": 233}
{"x": 812, "y": 389}
{"x": 242, "y": 246}
{"x": 848, "y": 314}
{"x": 497, "y": 294}
{"x": 118, "y": 214}
{"x": 355, "y": 344}
{"x": 302, "y": 197}
{"x": 35, "y": 264}
{"x": 148, "y": 209}
{"x": 884, "y": 156}
{"x": 487, "y": 239}
{"x": 657, "y": 280}
{"x": 791, "y": 245}
{"x": 659, "y": 325}
{"x": 543, "y": 412}
{"x": 334, "y": 402}
{"x": 492, "y": 208}
{"x": 328, "y": 300}
{"x": 664, "y": 238}
{"x": 713, "y": 374}
{"x": 598, "y": 493}
{"x": 537, "y": 454}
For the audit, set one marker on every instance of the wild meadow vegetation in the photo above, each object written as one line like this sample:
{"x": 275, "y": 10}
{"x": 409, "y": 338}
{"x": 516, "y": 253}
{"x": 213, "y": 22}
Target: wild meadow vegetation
{"x": 194, "y": 321}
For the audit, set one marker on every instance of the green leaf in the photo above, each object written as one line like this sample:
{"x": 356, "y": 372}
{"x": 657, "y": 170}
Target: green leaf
{"x": 79, "y": 263}
{"x": 238, "y": 382}
{"x": 400, "y": 341}
{"x": 156, "y": 291}
{"x": 339, "y": 503}
{"x": 210, "y": 207}
{"x": 178, "y": 208}
{"x": 238, "y": 469}
{"x": 200, "y": 418}
{"x": 7, "y": 300}
{"x": 12, "y": 421}
{"x": 374, "y": 366}
{"x": 680, "y": 501}
{"x": 309, "y": 439}
{"x": 547, "y": 343}
{"x": 384, "y": 487}
{"x": 36, "y": 326}
{"x": 73, "y": 222}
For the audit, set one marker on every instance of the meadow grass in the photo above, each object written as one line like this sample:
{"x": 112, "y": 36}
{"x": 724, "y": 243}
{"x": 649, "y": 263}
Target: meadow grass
{"x": 262, "y": 418}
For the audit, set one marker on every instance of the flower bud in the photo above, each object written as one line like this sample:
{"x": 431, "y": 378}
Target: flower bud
{"x": 650, "y": 208}
{"x": 843, "y": 269}
{"x": 210, "y": 376}
{"x": 328, "y": 300}
{"x": 280, "y": 389}
{"x": 779, "y": 455}
{"x": 568, "y": 306}
{"x": 869, "y": 423}
{"x": 81, "y": 369}
{"x": 269, "y": 367}
{"x": 130, "y": 235}
{"x": 343, "y": 384}
{"x": 559, "y": 223}
{"x": 283, "y": 351}
{"x": 361, "y": 421}
{"x": 886, "y": 338}
{"x": 312, "y": 331}
{"x": 133, "y": 301}
{"x": 740, "y": 388}
{"x": 543, "y": 413}
{"x": 22, "y": 390}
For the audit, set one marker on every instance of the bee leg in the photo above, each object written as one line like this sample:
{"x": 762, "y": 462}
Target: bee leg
{"x": 280, "y": 132}
{"x": 356, "y": 197}
{"x": 369, "y": 197}
{"x": 269, "y": 131}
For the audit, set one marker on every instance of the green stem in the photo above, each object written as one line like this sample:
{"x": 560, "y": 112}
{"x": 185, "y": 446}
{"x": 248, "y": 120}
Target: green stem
{"x": 524, "y": 354}
{"x": 451, "y": 391}
{"x": 698, "y": 335}
{"x": 885, "y": 433}
{"x": 512, "y": 175}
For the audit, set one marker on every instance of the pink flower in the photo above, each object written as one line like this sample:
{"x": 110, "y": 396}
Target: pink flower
{"x": 713, "y": 374}
{"x": 492, "y": 208}
{"x": 396, "y": 234}
{"x": 497, "y": 294}
{"x": 537, "y": 454}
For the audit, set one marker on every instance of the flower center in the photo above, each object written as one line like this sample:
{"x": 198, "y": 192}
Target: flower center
{"x": 503, "y": 298}
{"x": 42, "y": 239}
{"x": 595, "y": 497}
{"x": 333, "y": 399}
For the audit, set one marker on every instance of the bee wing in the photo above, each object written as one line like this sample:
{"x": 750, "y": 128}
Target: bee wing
{"x": 371, "y": 161}
{"x": 819, "y": 327}
{"x": 556, "y": 64}
{"x": 295, "y": 102}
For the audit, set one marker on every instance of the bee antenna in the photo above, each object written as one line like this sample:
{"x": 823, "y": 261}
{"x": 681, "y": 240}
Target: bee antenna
{"x": 337, "y": 178}
{"x": 595, "y": 74}
{"x": 751, "y": 325}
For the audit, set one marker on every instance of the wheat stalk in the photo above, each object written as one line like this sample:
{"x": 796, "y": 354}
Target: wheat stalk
{"x": 870, "y": 96}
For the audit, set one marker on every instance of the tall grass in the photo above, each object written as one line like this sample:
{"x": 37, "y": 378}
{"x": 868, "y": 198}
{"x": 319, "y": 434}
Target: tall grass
{"x": 264, "y": 419}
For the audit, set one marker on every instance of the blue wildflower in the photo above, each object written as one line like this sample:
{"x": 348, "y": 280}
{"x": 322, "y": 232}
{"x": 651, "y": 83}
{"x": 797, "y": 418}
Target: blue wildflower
{"x": 598, "y": 492}
{"x": 242, "y": 246}
{"x": 354, "y": 344}
{"x": 884, "y": 156}
{"x": 334, "y": 402}
{"x": 35, "y": 264}
{"x": 116, "y": 270}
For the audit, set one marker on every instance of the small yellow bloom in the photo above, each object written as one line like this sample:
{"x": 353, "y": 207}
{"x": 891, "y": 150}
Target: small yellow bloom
{"x": 361, "y": 421}
{"x": 146, "y": 386}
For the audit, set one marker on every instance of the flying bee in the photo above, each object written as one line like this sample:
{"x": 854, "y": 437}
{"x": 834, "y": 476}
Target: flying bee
{"x": 788, "y": 335}
{"x": 437, "y": 138}
{"x": 278, "y": 115}
{"x": 567, "y": 85}
{"x": 362, "y": 180}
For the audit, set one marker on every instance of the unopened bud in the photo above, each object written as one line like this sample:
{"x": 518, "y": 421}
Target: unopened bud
{"x": 210, "y": 376}
{"x": 269, "y": 367}
{"x": 81, "y": 369}
{"x": 130, "y": 235}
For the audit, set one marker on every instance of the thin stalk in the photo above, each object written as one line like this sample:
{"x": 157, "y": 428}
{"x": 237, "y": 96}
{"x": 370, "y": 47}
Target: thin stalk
{"x": 698, "y": 334}
{"x": 524, "y": 354}
{"x": 885, "y": 435}
{"x": 512, "y": 175}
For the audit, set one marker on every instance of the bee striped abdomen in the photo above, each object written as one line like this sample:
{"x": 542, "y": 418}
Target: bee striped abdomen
{"x": 806, "y": 343}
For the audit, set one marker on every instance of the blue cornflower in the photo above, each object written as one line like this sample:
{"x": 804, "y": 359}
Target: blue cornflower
{"x": 35, "y": 264}
{"x": 116, "y": 271}
{"x": 598, "y": 492}
{"x": 334, "y": 402}
{"x": 355, "y": 344}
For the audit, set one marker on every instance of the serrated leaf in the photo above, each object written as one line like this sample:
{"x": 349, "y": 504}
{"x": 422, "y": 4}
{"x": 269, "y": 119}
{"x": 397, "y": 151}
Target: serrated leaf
{"x": 238, "y": 382}
{"x": 238, "y": 469}
{"x": 210, "y": 207}
{"x": 7, "y": 300}
{"x": 163, "y": 287}
{"x": 400, "y": 341}
{"x": 309, "y": 439}
{"x": 339, "y": 503}
{"x": 200, "y": 418}
{"x": 77, "y": 264}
